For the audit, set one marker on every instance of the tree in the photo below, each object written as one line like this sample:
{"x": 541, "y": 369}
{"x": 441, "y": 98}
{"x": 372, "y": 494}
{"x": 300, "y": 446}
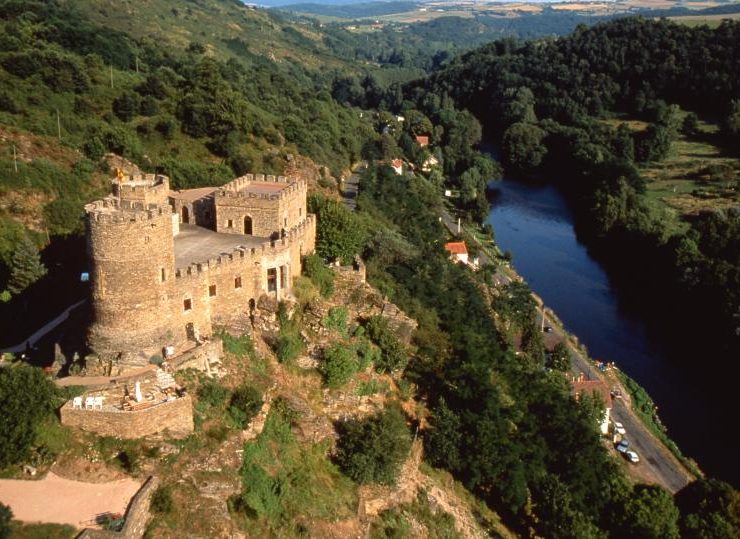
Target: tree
{"x": 340, "y": 365}
{"x": 522, "y": 146}
{"x": 339, "y": 234}
{"x": 560, "y": 358}
{"x": 126, "y": 106}
{"x": 371, "y": 450}
{"x": 650, "y": 513}
{"x": 245, "y": 402}
{"x": 6, "y": 515}
{"x": 710, "y": 509}
{"x": 25, "y": 266}
{"x": 690, "y": 125}
{"x": 27, "y": 397}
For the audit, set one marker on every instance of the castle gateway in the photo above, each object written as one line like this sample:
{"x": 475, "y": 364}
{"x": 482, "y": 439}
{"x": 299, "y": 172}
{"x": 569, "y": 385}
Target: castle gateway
{"x": 168, "y": 265}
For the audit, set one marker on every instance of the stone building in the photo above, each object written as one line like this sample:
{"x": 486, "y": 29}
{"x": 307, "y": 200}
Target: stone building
{"x": 166, "y": 266}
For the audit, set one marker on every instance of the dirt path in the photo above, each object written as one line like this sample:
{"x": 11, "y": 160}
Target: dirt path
{"x": 57, "y": 500}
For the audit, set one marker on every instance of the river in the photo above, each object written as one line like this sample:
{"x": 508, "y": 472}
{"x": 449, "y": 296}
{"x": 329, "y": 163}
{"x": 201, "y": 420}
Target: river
{"x": 534, "y": 223}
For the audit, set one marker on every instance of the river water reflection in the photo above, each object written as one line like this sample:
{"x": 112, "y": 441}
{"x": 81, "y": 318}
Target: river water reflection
{"x": 534, "y": 223}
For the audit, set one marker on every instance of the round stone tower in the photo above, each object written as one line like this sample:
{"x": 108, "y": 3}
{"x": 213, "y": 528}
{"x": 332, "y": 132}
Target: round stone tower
{"x": 131, "y": 250}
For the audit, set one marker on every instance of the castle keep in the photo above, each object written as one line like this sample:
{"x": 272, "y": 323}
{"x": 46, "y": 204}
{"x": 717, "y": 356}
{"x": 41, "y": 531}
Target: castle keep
{"x": 166, "y": 266}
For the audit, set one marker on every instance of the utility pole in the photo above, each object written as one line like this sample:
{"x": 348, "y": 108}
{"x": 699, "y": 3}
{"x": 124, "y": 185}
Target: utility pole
{"x": 111, "y": 75}
{"x": 458, "y": 226}
{"x": 15, "y": 160}
{"x": 137, "y": 65}
{"x": 59, "y": 127}
{"x": 543, "y": 317}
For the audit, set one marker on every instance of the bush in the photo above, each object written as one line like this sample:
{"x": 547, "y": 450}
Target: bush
{"x": 339, "y": 366}
{"x": 161, "y": 501}
{"x": 6, "y": 515}
{"x": 288, "y": 345}
{"x": 321, "y": 275}
{"x": 337, "y": 320}
{"x": 245, "y": 404}
{"x": 238, "y": 346}
{"x": 213, "y": 393}
{"x": 373, "y": 449}
{"x": 393, "y": 354}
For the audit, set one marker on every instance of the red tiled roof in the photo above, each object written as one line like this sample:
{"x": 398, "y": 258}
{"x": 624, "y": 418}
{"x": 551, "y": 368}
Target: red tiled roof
{"x": 396, "y": 163}
{"x": 593, "y": 387}
{"x": 423, "y": 140}
{"x": 456, "y": 248}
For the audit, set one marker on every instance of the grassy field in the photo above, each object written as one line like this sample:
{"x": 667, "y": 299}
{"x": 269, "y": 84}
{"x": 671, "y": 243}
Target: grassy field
{"x": 712, "y": 21}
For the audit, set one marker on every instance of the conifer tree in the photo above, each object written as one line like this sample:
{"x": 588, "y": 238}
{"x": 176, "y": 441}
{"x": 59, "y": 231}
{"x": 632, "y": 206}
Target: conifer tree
{"x": 25, "y": 266}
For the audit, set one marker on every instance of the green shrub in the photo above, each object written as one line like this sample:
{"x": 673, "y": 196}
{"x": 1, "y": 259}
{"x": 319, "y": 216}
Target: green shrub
{"x": 304, "y": 290}
{"x": 213, "y": 393}
{"x": 337, "y": 320}
{"x": 393, "y": 354}
{"x": 245, "y": 404}
{"x": 238, "y": 346}
{"x": 373, "y": 449}
{"x": 6, "y": 515}
{"x": 161, "y": 501}
{"x": 288, "y": 346}
{"x": 320, "y": 274}
{"x": 339, "y": 366}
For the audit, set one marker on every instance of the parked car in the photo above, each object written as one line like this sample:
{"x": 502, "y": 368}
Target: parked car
{"x": 631, "y": 456}
{"x": 619, "y": 428}
{"x": 623, "y": 446}
{"x": 547, "y": 329}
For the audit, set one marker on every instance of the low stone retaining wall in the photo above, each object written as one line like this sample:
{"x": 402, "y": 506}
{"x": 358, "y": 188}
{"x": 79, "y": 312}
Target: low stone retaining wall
{"x": 137, "y": 516}
{"x": 199, "y": 357}
{"x": 174, "y": 416}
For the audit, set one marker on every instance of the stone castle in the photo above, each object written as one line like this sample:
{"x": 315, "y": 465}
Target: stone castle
{"x": 166, "y": 266}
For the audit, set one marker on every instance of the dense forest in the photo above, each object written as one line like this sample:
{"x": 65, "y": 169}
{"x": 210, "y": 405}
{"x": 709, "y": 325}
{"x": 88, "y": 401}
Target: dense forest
{"x": 545, "y": 102}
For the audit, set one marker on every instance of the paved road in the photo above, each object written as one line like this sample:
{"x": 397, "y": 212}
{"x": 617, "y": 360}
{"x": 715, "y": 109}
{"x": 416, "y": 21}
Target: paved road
{"x": 657, "y": 463}
{"x": 43, "y": 330}
{"x": 350, "y": 190}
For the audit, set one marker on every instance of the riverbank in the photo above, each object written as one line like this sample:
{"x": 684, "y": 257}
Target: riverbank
{"x": 662, "y": 461}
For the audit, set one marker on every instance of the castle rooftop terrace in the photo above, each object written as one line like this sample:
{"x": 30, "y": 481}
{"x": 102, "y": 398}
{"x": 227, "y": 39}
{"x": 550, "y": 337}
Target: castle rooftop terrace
{"x": 197, "y": 244}
{"x": 263, "y": 188}
{"x": 191, "y": 195}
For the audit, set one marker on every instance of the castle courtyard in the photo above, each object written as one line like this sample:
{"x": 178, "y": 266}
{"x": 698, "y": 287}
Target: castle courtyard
{"x": 197, "y": 244}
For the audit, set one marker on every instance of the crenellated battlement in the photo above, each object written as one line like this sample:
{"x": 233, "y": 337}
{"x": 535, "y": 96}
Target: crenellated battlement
{"x": 243, "y": 255}
{"x": 114, "y": 211}
{"x": 238, "y": 188}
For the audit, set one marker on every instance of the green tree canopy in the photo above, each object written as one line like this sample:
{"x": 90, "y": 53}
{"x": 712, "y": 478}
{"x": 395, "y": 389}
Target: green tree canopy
{"x": 26, "y": 397}
{"x": 340, "y": 235}
{"x": 371, "y": 450}
{"x": 25, "y": 266}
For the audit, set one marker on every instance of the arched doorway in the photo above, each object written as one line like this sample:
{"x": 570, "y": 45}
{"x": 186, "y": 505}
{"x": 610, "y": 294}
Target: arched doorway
{"x": 185, "y": 215}
{"x": 248, "y": 225}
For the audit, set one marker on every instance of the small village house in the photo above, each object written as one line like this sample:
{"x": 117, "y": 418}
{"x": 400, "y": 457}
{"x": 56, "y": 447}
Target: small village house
{"x": 598, "y": 389}
{"x": 458, "y": 251}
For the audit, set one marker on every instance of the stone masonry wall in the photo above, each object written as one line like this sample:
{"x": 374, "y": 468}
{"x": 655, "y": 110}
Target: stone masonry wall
{"x": 175, "y": 416}
{"x": 265, "y": 214}
{"x": 137, "y": 516}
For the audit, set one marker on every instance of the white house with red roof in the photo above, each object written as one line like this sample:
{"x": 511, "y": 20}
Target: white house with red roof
{"x": 397, "y": 166}
{"x": 458, "y": 251}
{"x": 422, "y": 140}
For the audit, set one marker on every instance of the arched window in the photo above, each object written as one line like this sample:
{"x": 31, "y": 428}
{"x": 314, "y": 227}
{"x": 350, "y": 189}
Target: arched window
{"x": 248, "y": 225}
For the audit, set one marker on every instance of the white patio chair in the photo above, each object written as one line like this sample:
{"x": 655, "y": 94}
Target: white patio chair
{"x": 98, "y": 403}
{"x": 89, "y": 403}
{"x": 77, "y": 403}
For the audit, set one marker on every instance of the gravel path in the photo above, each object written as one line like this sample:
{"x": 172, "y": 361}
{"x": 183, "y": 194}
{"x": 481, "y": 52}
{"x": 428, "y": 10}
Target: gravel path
{"x": 54, "y": 499}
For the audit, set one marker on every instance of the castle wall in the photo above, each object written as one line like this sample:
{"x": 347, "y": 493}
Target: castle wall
{"x": 133, "y": 273}
{"x": 141, "y": 301}
{"x": 143, "y": 190}
{"x": 251, "y": 267}
{"x": 271, "y": 213}
{"x": 174, "y": 416}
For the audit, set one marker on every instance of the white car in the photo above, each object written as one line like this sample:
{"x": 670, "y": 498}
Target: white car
{"x": 623, "y": 446}
{"x": 632, "y": 457}
{"x": 619, "y": 428}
